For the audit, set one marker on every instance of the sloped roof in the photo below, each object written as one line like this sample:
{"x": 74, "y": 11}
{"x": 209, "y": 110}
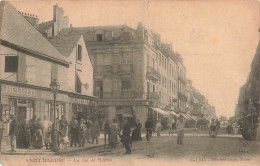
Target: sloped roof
{"x": 65, "y": 43}
{"x": 45, "y": 26}
{"x": 118, "y": 31}
{"x": 16, "y": 30}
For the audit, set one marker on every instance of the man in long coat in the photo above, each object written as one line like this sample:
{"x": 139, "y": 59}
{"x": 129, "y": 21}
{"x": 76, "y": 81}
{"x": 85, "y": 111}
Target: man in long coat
{"x": 180, "y": 129}
{"x": 95, "y": 131}
{"x": 127, "y": 137}
{"x": 13, "y": 132}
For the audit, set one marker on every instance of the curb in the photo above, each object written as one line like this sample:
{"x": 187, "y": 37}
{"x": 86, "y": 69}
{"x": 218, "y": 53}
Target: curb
{"x": 50, "y": 152}
{"x": 77, "y": 150}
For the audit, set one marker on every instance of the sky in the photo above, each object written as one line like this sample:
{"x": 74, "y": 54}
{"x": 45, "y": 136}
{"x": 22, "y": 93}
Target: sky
{"x": 216, "y": 38}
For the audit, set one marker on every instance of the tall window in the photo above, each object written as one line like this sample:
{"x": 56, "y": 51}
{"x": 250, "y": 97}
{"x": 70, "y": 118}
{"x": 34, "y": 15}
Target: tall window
{"x": 47, "y": 111}
{"x": 99, "y": 37}
{"x": 126, "y": 85}
{"x": 30, "y": 109}
{"x": 60, "y": 111}
{"x": 153, "y": 88}
{"x": 13, "y": 106}
{"x": 11, "y": 63}
{"x": 79, "y": 56}
{"x": 99, "y": 88}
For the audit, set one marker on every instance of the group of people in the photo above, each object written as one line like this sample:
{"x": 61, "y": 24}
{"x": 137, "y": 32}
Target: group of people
{"x": 172, "y": 125}
{"x": 214, "y": 126}
{"x": 37, "y": 133}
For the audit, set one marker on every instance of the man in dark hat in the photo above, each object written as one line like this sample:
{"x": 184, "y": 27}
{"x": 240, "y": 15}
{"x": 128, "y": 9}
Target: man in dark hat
{"x": 13, "y": 132}
{"x": 148, "y": 127}
{"x": 82, "y": 133}
{"x": 74, "y": 132}
{"x": 180, "y": 130}
{"x": 127, "y": 137}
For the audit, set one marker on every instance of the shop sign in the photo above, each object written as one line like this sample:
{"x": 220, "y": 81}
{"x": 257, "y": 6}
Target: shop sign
{"x": 27, "y": 92}
{"x": 122, "y": 103}
{"x": 79, "y": 101}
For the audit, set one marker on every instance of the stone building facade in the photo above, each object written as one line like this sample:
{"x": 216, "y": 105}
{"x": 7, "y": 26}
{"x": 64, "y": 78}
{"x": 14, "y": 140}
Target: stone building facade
{"x": 133, "y": 72}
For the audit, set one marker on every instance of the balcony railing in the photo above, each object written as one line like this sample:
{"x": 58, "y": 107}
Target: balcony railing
{"x": 152, "y": 73}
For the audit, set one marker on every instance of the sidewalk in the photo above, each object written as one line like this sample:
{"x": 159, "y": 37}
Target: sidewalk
{"x": 6, "y": 149}
{"x": 6, "y": 144}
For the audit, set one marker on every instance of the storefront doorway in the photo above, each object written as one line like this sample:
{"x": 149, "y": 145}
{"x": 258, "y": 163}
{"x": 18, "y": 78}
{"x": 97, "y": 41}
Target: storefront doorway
{"x": 21, "y": 114}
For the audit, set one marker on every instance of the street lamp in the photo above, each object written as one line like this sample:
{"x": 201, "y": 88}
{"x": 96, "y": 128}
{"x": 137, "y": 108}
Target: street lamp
{"x": 55, "y": 86}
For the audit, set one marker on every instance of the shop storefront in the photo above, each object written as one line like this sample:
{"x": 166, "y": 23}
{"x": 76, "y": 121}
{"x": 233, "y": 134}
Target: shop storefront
{"x": 132, "y": 110}
{"x": 24, "y": 101}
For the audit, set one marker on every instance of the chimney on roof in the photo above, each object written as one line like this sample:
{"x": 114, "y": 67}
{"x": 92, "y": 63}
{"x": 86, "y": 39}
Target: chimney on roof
{"x": 60, "y": 20}
{"x": 31, "y": 18}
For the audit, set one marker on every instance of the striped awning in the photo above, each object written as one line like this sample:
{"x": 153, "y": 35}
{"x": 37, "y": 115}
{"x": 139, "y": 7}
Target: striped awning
{"x": 160, "y": 111}
{"x": 187, "y": 116}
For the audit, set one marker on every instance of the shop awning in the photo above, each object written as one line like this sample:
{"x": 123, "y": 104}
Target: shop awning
{"x": 101, "y": 111}
{"x": 174, "y": 114}
{"x": 187, "y": 116}
{"x": 160, "y": 111}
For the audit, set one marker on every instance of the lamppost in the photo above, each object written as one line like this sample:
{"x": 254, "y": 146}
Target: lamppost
{"x": 55, "y": 86}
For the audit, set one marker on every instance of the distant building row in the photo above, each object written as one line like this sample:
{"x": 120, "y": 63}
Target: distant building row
{"x": 130, "y": 71}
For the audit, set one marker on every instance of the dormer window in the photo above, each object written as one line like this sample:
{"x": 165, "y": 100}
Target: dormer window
{"x": 79, "y": 53}
{"x": 99, "y": 37}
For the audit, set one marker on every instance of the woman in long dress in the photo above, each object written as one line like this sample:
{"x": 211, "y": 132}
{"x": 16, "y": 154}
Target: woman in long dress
{"x": 38, "y": 134}
{"x": 95, "y": 131}
{"x": 114, "y": 131}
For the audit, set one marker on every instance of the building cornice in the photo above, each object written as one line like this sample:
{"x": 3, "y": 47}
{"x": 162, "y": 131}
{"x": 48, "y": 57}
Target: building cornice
{"x": 33, "y": 53}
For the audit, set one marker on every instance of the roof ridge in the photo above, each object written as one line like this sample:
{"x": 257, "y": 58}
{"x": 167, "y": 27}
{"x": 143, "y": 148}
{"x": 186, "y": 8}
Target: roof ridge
{"x": 47, "y": 50}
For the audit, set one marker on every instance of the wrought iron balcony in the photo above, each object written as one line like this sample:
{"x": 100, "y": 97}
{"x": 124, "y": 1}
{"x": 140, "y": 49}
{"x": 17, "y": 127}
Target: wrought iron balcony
{"x": 152, "y": 73}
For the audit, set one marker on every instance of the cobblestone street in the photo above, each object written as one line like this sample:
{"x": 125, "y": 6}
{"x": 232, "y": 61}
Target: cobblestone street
{"x": 196, "y": 146}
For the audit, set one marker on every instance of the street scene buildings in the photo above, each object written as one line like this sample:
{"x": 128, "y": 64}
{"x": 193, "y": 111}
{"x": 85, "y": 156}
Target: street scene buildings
{"x": 93, "y": 76}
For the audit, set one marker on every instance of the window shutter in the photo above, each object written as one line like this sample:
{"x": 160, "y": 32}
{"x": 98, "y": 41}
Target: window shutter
{"x": 21, "y": 74}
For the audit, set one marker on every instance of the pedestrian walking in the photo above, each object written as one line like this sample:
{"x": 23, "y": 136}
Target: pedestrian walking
{"x": 95, "y": 131}
{"x": 139, "y": 129}
{"x": 106, "y": 133}
{"x": 46, "y": 131}
{"x": 13, "y": 132}
{"x": 82, "y": 133}
{"x": 32, "y": 123}
{"x": 148, "y": 127}
{"x": 24, "y": 136}
{"x": 114, "y": 131}
{"x": 38, "y": 128}
{"x": 88, "y": 125}
{"x": 212, "y": 128}
{"x": 158, "y": 128}
{"x": 126, "y": 138}
{"x": 1, "y": 134}
{"x": 217, "y": 126}
{"x": 73, "y": 132}
{"x": 180, "y": 130}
